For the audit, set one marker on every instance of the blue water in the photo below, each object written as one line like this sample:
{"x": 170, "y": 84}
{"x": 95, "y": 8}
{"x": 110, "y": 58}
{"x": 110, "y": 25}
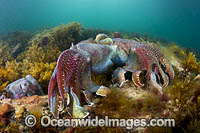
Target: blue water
{"x": 174, "y": 20}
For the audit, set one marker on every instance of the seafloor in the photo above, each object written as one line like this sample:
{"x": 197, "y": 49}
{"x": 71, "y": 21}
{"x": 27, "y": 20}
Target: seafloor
{"x": 23, "y": 53}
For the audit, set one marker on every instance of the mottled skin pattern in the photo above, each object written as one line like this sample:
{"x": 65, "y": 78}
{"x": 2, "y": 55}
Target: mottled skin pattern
{"x": 149, "y": 59}
{"x": 71, "y": 80}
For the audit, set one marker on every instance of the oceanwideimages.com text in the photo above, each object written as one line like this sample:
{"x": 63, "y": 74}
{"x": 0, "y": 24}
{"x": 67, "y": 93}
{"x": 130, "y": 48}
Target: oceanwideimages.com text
{"x": 46, "y": 121}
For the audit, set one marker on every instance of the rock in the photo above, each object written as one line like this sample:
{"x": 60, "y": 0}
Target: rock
{"x": 4, "y": 109}
{"x": 14, "y": 111}
{"x": 21, "y": 128}
{"x": 25, "y": 102}
{"x": 30, "y": 104}
{"x": 103, "y": 91}
{"x": 117, "y": 35}
{"x": 19, "y": 110}
{"x": 27, "y": 86}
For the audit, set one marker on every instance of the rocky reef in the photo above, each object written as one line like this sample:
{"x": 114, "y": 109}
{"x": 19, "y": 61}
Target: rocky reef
{"x": 36, "y": 54}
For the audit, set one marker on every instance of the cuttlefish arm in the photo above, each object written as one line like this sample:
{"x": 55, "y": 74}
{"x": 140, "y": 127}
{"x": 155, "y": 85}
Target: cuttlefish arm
{"x": 60, "y": 80}
{"x": 52, "y": 85}
{"x": 56, "y": 104}
{"x": 136, "y": 78}
{"x": 153, "y": 83}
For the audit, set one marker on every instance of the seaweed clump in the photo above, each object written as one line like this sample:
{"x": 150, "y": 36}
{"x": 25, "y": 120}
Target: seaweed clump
{"x": 65, "y": 35}
{"x": 16, "y": 42}
{"x": 9, "y": 73}
{"x": 184, "y": 105}
{"x": 5, "y": 53}
{"x": 190, "y": 64}
{"x": 36, "y": 61}
{"x": 13, "y": 38}
{"x": 40, "y": 63}
{"x": 61, "y": 36}
{"x": 117, "y": 104}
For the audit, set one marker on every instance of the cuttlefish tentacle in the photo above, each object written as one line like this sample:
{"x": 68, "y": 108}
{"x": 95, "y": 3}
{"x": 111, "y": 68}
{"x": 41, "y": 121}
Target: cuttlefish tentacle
{"x": 167, "y": 66}
{"x": 165, "y": 78}
{"x": 154, "y": 83}
{"x": 136, "y": 78}
{"x": 147, "y": 61}
{"x": 56, "y": 103}
{"x": 163, "y": 60}
{"x": 118, "y": 77}
{"x": 59, "y": 82}
{"x": 69, "y": 73}
{"x": 78, "y": 84}
{"x": 160, "y": 72}
{"x": 52, "y": 85}
{"x": 54, "y": 100}
{"x": 162, "y": 78}
{"x": 77, "y": 110}
{"x": 65, "y": 68}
